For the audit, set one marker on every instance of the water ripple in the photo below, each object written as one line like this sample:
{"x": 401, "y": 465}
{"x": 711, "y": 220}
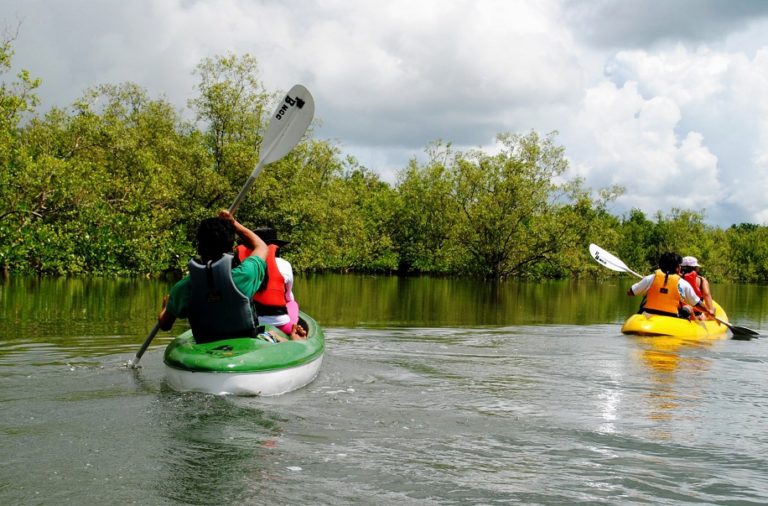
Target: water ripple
{"x": 535, "y": 414}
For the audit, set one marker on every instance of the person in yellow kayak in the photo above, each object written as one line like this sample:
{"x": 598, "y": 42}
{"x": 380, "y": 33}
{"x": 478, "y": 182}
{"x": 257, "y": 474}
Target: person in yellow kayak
{"x": 690, "y": 270}
{"x": 665, "y": 289}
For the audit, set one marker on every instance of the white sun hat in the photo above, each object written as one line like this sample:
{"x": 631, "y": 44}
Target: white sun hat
{"x": 690, "y": 262}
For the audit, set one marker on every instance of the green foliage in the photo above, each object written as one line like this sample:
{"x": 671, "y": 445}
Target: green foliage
{"x": 16, "y": 99}
{"x": 494, "y": 216}
{"x": 747, "y": 253}
{"x": 423, "y": 226}
{"x": 117, "y": 183}
{"x": 233, "y": 107}
{"x": 333, "y": 212}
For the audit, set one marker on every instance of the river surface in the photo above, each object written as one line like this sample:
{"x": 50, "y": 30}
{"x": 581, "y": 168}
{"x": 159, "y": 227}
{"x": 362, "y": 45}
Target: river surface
{"x": 432, "y": 391}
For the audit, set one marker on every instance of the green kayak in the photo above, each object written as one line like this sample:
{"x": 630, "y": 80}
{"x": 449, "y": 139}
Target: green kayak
{"x": 244, "y": 365}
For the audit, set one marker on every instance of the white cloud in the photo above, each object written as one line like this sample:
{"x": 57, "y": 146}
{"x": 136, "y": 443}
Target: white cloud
{"x": 715, "y": 104}
{"x": 625, "y": 139}
{"x": 431, "y": 70}
{"x": 636, "y": 103}
{"x": 679, "y": 74}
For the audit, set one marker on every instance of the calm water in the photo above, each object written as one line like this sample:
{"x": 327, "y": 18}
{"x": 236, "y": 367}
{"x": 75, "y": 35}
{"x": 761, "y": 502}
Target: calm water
{"x": 431, "y": 392}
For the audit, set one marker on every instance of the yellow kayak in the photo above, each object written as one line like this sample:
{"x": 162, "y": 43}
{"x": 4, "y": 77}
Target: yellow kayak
{"x": 646, "y": 324}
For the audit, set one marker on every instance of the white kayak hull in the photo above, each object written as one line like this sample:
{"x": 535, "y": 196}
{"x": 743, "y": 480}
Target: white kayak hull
{"x": 263, "y": 383}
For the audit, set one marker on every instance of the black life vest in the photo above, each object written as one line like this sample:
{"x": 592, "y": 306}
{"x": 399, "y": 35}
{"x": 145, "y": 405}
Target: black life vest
{"x": 217, "y": 308}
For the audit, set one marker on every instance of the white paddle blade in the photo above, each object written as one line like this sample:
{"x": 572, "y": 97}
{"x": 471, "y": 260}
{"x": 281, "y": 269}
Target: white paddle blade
{"x": 288, "y": 124}
{"x": 606, "y": 259}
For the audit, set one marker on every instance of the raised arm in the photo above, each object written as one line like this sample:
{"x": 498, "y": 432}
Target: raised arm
{"x": 249, "y": 237}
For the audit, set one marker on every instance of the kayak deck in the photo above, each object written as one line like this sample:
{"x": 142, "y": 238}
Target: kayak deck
{"x": 244, "y": 365}
{"x": 245, "y": 354}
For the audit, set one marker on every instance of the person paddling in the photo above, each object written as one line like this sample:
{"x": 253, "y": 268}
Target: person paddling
{"x": 215, "y": 296}
{"x": 690, "y": 269}
{"x": 665, "y": 289}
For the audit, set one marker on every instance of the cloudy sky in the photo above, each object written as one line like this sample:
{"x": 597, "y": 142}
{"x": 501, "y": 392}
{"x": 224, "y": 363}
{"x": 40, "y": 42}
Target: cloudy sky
{"x": 666, "y": 98}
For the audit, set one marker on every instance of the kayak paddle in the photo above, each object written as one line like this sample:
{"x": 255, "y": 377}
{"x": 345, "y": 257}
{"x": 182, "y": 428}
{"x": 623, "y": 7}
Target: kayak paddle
{"x": 611, "y": 262}
{"x": 288, "y": 125}
{"x": 286, "y": 128}
{"x": 607, "y": 260}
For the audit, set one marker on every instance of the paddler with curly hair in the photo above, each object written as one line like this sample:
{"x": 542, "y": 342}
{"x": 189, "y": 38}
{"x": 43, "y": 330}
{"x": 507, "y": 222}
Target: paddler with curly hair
{"x": 216, "y": 296}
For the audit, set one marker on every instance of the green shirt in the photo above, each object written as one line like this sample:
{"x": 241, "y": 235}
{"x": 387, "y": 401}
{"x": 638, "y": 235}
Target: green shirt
{"x": 247, "y": 277}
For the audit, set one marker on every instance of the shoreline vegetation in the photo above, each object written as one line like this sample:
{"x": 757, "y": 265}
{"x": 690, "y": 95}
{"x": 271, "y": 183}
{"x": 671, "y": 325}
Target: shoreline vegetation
{"x": 115, "y": 184}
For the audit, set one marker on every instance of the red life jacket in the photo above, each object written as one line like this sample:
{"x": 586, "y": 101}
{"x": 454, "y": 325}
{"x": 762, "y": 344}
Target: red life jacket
{"x": 693, "y": 278}
{"x": 270, "y": 298}
{"x": 243, "y": 252}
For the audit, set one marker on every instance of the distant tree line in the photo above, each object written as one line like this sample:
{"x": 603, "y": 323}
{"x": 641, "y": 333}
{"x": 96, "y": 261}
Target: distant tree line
{"x": 116, "y": 183}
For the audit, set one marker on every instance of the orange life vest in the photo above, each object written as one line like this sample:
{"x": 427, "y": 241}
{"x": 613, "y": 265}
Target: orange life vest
{"x": 663, "y": 297}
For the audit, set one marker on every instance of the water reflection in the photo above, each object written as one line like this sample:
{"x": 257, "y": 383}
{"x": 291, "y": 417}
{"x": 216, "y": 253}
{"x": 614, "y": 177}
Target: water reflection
{"x": 351, "y": 300}
{"x": 677, "y": 371}
{"x": 89, "y": 315}
{"x": 97, "y": 316}
{"x": 215, "y": 450}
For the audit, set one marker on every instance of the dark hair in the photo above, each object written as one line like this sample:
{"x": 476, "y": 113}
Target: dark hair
{"x": 669, "y": 262}
{"x": 214, "y": 238}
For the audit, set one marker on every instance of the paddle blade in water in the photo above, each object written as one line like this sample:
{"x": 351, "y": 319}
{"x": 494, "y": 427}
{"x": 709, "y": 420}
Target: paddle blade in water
{"x": 739, "y": 332}
{"x": 133, "y": 364}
